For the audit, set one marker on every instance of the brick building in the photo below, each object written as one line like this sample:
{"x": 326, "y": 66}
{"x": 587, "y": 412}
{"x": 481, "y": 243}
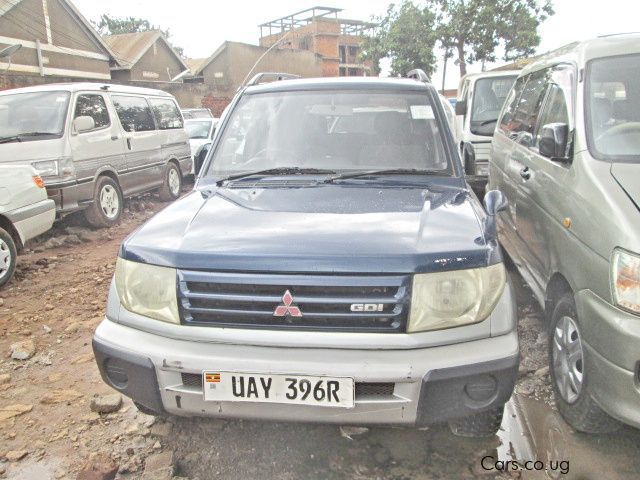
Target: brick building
{"x": 319, "y": 30}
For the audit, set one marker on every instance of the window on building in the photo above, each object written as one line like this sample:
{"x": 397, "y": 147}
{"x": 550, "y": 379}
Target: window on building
{"x": 166, "y": 113}
{"x": 343, "y": 54}
{"x": 343, "y": 72}
{"x": 94, "y": 106}
{"x": 134, "y": 113}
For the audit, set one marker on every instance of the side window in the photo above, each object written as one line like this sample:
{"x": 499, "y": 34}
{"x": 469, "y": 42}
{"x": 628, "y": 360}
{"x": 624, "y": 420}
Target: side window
{"x": 528, "y": 106}
{"x": 134, "y": 113}
{"x": 507, "y": 124}
{"x": 94, "y": 106}
{"x": 166, "y": 113}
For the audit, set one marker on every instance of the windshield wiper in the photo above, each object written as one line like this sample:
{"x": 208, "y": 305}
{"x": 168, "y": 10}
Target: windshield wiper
{"x": 18, "y": 138}
{"x": 391, "y": 171}
{"x": 275, "y": 171}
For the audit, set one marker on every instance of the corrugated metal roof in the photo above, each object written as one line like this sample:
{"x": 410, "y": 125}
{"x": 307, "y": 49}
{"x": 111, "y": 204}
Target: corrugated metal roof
{"x": 194, "y": 63}
{"x": 129, "y": 47}
{"x": 6, "y": 5}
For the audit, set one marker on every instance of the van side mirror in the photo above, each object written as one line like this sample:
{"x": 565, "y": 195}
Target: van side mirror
{"x": 469, "y": 158}
{"x": 461, "y": 107}
{"x": 83, "y": 123}
{"x": 553, "y": 141}
{"x": 494, "y": 201}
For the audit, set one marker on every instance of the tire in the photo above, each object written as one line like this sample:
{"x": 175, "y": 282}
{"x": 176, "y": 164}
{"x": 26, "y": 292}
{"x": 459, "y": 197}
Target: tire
{"x": 107, "y": 205}
{"x": 172, "y": 185}
{"x": 479, "y": 425}
{"x": 571, "y": 387}
{"x": 8, "y": 256}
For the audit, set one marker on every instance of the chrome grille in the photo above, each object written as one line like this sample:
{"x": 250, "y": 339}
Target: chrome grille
{"x": 249, "y": 301}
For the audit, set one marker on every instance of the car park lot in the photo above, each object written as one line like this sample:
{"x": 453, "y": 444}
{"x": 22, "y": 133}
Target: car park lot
{"x": 50, "y": 389}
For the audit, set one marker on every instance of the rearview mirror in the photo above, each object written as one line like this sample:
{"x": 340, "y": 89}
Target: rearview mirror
{"x": 494, "y": 202}
{"x": 553, "y": 141}
{"x": 461, "y": 107}
{"x": 469, "y": 158}
{"x": 83, "y": 123}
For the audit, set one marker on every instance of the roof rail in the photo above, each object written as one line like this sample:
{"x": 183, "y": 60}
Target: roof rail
{"x": 418, "y": 74}
{"x": 257, "y": 79}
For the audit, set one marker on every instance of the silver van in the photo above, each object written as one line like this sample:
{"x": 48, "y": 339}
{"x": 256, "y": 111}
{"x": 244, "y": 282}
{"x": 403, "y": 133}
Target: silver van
{"x": 94, "y": 144}
{"x": 566, "y": 153}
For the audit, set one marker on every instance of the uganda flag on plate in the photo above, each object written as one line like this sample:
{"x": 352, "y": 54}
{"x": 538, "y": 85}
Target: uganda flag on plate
{"x": 212, "y": 377}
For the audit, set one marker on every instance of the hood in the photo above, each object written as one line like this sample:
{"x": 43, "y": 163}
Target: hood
{"x": 29, "y": 151}
{"x": 328, "y": 228}
{"x": 627, "y": 174}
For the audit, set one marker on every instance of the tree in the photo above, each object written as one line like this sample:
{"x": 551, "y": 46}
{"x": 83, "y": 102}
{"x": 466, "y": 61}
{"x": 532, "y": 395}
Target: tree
{"x": 116, "y": 25}
{"x": 473, "y": 29}
{"x": 406, "y": 35}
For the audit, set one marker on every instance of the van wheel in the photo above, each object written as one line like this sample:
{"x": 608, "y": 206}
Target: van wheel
{"x": 571, "y": 387}
{"x": 147, "y": 410}
{"x": 172, "y": 185}
{"x": 478, "y": 425}
{"x": 106, "y": 208}
{"x": 8, "y": 256}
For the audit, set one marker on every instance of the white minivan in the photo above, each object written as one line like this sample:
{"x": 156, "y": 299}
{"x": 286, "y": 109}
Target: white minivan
{"x": 480, "y": 99}
{"x": 94, "y": 144}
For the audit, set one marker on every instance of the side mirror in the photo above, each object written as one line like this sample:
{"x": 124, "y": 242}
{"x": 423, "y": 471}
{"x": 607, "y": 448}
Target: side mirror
{"x": 469, "y": 158}
{"x": 494, "y": 202}
{"x": 83, "y": 123}
{"x": 553, "y": 141}
{"x": 461, "y": 107}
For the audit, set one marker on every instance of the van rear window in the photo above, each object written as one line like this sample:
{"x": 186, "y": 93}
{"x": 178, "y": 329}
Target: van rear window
{"x": 166, "y": 113}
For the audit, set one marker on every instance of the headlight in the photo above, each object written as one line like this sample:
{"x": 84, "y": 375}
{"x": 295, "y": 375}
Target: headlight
{"x": 451, "y": 299}
{"x": 625, "y": 277}
{"x": 62, "y": 168}
{"x": 147, "y": 290}
{"x": 47, "y": 168}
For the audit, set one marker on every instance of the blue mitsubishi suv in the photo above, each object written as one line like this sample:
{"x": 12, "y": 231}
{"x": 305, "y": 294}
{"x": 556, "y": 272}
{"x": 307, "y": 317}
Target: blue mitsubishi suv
{"x": 330, "y": 265}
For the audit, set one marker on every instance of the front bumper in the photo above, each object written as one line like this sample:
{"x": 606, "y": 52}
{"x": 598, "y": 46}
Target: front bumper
{"x": 71, "y": 196}
{"x": 612, "y": 358}
{"x": 428, "y": 384}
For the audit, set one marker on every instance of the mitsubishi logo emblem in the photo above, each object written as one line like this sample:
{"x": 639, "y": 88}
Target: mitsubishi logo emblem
{"x": 287, "y": 308}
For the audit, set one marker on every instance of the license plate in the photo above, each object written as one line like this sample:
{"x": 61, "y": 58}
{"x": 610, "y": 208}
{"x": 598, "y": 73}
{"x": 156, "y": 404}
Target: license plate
{"x": 278, "y": 388}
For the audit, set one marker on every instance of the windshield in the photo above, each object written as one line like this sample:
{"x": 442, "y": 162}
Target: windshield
{"x": 197, "y": 128}
{"x": 489, "y": 95}
{"x": 337, "y": 131}
{"x": 613, "y": 108}
{"x": 36, "y": 115}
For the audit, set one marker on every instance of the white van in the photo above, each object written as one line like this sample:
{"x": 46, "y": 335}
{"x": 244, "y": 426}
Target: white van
{"x": 480, "y": 99}
{"x": 94, "y": 144}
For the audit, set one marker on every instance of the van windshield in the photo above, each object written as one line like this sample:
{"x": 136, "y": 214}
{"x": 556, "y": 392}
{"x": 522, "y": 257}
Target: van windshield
{"x": 489, "y": 95}
{"x": 613, "y": 108}
{"x": 32, "y": 116}
{"x": 333, "y": 131}
{"x": 198, "y": 128}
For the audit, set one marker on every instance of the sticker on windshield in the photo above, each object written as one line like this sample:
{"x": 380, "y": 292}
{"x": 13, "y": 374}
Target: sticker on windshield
{"x": 61, "y": 99}
{"x": 422, "y": 112}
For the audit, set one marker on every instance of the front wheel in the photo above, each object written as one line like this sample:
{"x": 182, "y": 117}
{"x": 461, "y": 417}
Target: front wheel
{"x": 8, "y": 254}
{"x": 571, "y": 385}
{"x": 172, "y": 184}
{"x": 106, "y": 208}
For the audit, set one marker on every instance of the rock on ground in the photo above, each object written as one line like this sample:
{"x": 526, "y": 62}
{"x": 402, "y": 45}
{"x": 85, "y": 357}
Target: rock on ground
{"x": 106, "y": 403}
{"x": 159, "y": 466}
{"x": 99, "y": 466}
{"x": 16, "y": 455}
{"x": 60, "y": 396}
{"x": 23, "y": 350}
{"x": 14, "y": 410}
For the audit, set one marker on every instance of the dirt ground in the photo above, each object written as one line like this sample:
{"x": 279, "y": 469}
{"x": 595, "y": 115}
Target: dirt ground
{"x": 48, "y": 429}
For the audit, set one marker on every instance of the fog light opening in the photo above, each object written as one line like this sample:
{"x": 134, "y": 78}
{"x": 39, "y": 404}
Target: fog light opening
{"x": 481, "y": 388}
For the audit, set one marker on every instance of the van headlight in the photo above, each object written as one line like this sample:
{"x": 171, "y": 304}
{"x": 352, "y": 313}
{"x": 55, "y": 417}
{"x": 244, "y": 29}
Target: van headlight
{"x": 452, "y": 299}
{"x": 148, "y": 290}
{"x": 61, "y": 168}
{"x": 625, "y": 276}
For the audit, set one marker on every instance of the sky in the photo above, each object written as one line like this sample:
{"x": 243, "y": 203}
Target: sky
{"x": 200, "y": 26}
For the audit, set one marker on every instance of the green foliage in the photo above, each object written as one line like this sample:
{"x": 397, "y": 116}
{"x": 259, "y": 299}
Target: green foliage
{"x": 468, "y": 30}
{"x": 406, "y": 35}
{"x": 473, "y": 29}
